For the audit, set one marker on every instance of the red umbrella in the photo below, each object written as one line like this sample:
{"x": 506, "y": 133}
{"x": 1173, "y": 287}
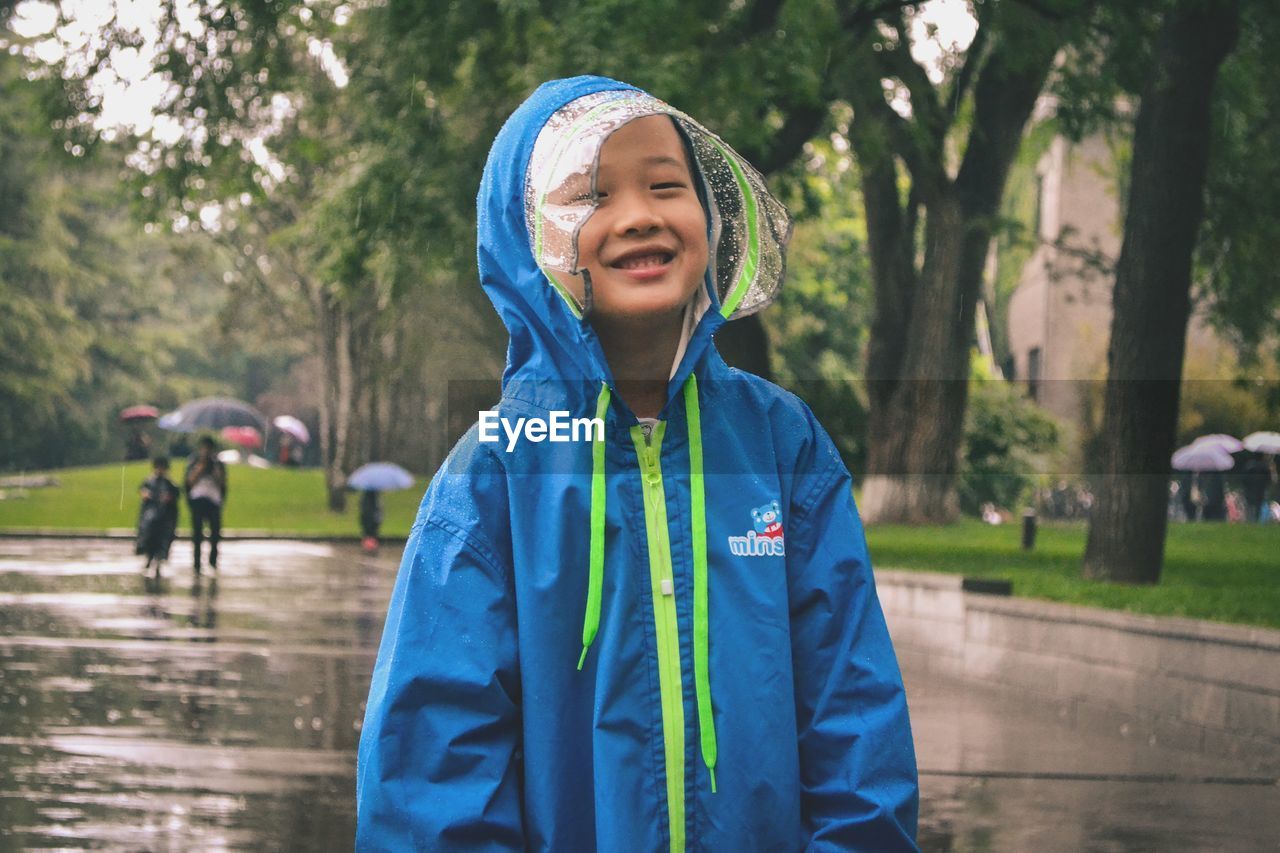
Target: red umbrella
{"x": 140, "y": 413}
{"x": 246, "y": 436}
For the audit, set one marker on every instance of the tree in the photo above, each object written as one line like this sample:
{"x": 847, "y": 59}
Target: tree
{"x": 929, "y": 243}
{"x": 430, "y": 82}
{"x": 1152, "y": 296}
{"x": 1235, "y": 270}
{"x": 95, "y": 312}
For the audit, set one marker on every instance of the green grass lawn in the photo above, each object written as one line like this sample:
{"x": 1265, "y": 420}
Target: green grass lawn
{"x": 1227, "y": 573}
{"x": 278, "y": 500}
{"x": 1223, "y": 572}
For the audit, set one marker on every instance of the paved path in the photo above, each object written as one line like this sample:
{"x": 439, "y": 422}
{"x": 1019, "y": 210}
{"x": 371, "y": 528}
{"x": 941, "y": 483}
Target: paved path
{"x": 137, "y": 716}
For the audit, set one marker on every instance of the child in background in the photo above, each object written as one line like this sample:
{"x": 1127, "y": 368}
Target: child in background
{"x": 666, "y": 635}
{"x": 158, "y": 515}
{"x": 370, "y": 519}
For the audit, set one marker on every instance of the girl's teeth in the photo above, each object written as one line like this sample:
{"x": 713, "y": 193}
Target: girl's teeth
{"x": 643, "y": 262}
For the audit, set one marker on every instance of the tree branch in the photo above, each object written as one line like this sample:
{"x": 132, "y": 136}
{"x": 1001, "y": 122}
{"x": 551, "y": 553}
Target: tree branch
{"x": 925, "y": 106}
{"x": 924, "y": 161}
{"x": 1043, "y": 10}
{"x": 783, "y": 147}
{"x": 856, "y": 17}
{"x": 1004, "y": 95}
{"x": 761, "y": 18}
{"x": 972, "y": 61}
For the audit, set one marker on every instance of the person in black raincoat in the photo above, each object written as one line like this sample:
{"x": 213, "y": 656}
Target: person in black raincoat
{"x": 158, "y": 515}
{"x": 370, "y": 519}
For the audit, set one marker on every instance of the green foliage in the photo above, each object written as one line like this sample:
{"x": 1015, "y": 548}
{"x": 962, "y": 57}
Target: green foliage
{"x": 1219, "y": 396}
{"x": 42, "y": 342}
{"x": 1235, "y": 255}
{"x": 817, "y": 329}
{"x": 1007, "y": 439}
{"x": 96, "y": 312}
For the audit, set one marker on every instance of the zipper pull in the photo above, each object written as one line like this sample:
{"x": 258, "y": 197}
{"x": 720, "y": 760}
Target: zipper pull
{"x": 647, "y": 429}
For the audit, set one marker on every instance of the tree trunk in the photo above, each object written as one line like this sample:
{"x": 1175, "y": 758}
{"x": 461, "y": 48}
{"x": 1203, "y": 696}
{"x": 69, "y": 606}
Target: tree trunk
{"x": 743, "y": 344}
{"x": 333, "y": 342}
{"x": 923, "y": 329}
{"x": 1152, "y": 299}
{"x": 913, "y": 427}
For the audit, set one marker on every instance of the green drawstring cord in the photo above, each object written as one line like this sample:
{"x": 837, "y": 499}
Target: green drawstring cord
{"x": 591, "y": 621}
{"x": 698, "y": 505}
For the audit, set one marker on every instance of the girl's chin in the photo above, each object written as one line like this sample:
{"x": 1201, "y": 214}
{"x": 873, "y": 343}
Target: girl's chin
{"x": 642, "y": 307}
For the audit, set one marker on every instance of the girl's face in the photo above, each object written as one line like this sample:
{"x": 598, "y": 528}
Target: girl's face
{"x": 645, "y": 244}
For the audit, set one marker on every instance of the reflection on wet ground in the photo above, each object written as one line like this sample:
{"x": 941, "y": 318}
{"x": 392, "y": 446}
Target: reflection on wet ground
{"x": 141, "y": 715}
{"x": 137, "y": 715}
{"x": 1001, "y": 773}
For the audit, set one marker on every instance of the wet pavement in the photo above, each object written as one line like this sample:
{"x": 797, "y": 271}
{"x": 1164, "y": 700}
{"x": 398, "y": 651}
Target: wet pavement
{"x": 225, "y": 716}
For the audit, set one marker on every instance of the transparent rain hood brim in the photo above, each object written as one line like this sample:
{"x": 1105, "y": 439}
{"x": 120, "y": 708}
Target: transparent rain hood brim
{"x": 749, "y": 228}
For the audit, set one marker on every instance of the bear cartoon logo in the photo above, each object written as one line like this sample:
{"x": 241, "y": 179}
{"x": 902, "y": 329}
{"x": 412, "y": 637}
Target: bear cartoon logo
{"x": 765, "y": 540}
{"x": 768, "y": 520}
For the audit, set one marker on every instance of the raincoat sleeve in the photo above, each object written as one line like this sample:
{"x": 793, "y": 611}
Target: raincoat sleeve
{"x": 859, "y": 788}
{"x": 438, "y": 764}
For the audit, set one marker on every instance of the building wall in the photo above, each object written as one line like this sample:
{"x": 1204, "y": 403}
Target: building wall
{"x": 1062, "y": 305}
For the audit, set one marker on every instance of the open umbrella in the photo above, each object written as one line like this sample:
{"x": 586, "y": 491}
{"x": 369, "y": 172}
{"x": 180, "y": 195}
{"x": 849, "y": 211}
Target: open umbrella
{"x": 1229, "y": 443}
{"x": 292, "y": 426}
{"x": 213, "y": 413}
{"x": 140, "y": 413}
{"x": 1262, "y": 442}
{"x": 380, "y": 477}
{"x": 1202, "y": 457}
{"x": 246, "y": 436}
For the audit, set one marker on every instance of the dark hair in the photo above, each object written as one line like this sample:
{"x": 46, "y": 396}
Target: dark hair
{"x": 695, "y": 170}
{"x": 161, "y": 462}
{"x": 207, "y": 441}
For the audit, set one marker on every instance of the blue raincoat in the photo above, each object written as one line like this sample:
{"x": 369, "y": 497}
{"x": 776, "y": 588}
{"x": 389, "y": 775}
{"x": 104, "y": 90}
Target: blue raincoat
{"x": 661, "y": 639}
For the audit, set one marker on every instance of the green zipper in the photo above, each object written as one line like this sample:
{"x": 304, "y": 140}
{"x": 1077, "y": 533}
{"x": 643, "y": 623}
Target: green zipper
{"x": 662, "y": 586}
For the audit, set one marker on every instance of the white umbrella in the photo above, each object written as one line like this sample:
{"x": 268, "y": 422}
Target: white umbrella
{"x": 292, "y": 426}
{"x": 1262, "y": 442}
{"x": 1229, "y": 443}
{"x": 380, "y": 477}
{"x": 1202, "y": 457}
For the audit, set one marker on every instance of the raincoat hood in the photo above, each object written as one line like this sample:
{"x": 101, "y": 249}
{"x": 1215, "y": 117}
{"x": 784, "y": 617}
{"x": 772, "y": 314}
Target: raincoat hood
{"x": 526, "y": 235}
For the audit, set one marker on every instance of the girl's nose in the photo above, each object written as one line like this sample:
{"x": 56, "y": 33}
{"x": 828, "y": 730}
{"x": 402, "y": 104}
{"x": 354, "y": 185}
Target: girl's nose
{"x": 636, "y": 215}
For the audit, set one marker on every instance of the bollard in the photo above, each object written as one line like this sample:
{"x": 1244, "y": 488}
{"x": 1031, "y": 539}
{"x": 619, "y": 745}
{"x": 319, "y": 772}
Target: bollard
{"x": 1028, "y": 529}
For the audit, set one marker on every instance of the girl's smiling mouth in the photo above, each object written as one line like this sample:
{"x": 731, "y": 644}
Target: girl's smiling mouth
{"x": 644, "y": 263}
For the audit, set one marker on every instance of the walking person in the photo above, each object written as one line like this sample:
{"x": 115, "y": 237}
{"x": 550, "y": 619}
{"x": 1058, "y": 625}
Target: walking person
{"x": 206, "y": 485}
{"x": 1255, "y": 476}
{"x": 158, "y": 515}
{"x": 370, "y": 519}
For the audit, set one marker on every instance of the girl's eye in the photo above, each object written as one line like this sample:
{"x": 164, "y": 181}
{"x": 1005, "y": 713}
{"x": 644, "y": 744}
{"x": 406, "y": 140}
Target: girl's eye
{"x": 668, "y": 185}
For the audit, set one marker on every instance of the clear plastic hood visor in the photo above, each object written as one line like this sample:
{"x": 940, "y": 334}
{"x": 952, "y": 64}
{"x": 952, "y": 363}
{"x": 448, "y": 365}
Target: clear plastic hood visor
{"x": 749, "y": 228}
